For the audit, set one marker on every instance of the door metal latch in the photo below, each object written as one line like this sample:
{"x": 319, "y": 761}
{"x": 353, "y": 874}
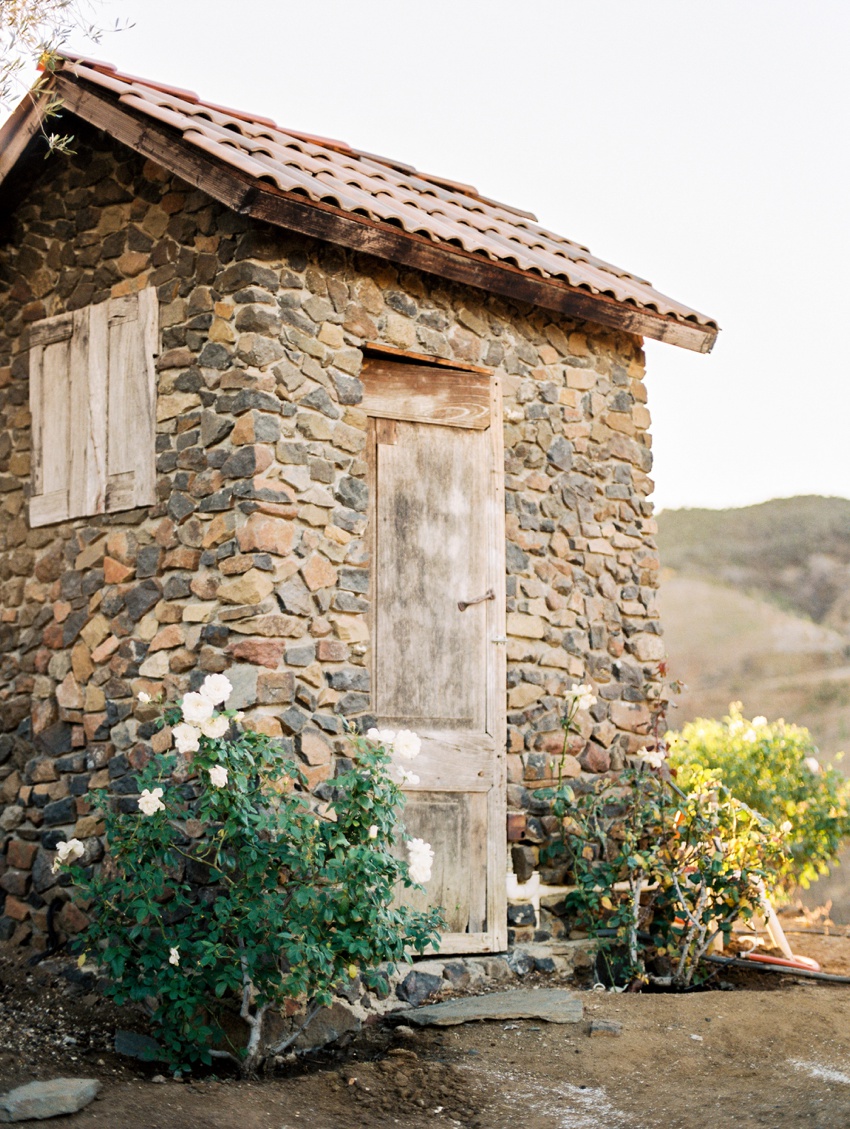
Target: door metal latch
{"x": 488, "y": 595}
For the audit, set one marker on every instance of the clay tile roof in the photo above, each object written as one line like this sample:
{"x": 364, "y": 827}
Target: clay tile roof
{"x": 330, "y": 174}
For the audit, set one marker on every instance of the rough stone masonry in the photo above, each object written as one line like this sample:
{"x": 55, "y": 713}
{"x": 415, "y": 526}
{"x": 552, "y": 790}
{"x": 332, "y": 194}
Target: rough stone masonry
{"x": 253, "y": 560}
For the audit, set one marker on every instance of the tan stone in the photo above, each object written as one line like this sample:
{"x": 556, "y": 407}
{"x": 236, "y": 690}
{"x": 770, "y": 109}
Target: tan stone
{"x": 90, "y": 556}
{"x": 318, "y": 573}
{"x": 108, "y": 647}
{"x": 250, "y": 588}
{"x": 523, "y": 695}
{"x": 156, "y": 666}
{"x": 95, "y": 631}
{"x": 268, "y": 725}
{"x": 581, "y": 378}
{"x": 89, "y": 825}
{"x": 81, "y": 663}
{"x": 95, "y": 699}
{"x": 352, "y": 628}
{"x": 160, "y": 742}
{"x": 526, "y": 626}
{"x": 270, "y": 625}
{"x": 177, "y": 404}
{"x": 68, "y": 693}
{"x": 198, "y": 613}
{"x": 219, "y": 530}
{"x": 313, "y": 748}
{"x": 647, "y": 648}
{"x": 633, "y": 717}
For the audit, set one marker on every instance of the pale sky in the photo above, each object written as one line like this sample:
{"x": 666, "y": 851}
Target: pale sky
{"x": 701, "y": 145}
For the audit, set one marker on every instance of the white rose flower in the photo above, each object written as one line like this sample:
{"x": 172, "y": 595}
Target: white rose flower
{"x": 420, "y": 858}
{"x": 758, "y": 722}
{"x": 216, "y": 726}
{"x": 196, "y": 708}
{"x": 653, "y": 759}
{"x": 407, "y": 744}
{"x": 218, "y": 776}
{"x": 407, "y": 777}
{"x": 186, "y": 738}
{"x": 216, "y": 688}
{"x": 150, "y": 801}
{"x": 173, "y": 955}
{"x": 381, "y": 736}
{"x": 812, "y": 764}
{"x": 144, "y": 698}
{"x": 67, "y": 853}
{"x": 582, "y": 695}
{"x": 373, "y": 831}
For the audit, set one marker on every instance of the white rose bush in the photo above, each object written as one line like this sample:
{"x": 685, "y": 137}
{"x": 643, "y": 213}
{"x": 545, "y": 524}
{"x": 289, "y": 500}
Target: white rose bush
{"x": 232, "y": 890}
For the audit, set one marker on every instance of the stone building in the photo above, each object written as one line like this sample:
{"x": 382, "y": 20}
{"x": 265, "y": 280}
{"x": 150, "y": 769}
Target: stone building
{"x": 257, "y": 389}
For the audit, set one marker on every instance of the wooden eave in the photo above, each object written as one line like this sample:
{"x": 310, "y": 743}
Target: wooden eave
{"x": 269, "y": 204}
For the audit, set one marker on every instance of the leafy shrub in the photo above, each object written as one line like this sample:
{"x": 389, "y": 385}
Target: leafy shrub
{"x": 659, "y": 873}
{"x": 226, "y": 894}
{"x": 773, "y": 768}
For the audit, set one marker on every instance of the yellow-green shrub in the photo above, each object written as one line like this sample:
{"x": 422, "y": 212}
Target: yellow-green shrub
{"x": 773, "y": 768}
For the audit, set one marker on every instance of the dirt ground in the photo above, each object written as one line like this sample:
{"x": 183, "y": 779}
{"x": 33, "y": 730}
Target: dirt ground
{"x": 768, "y": 1051}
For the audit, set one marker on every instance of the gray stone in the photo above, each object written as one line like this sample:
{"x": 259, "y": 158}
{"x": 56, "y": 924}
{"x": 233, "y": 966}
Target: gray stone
{"x": 554, "y": 1005}
{"x": 243, "y": 677}
{"x": 38, "y": 1100}
{"x": 134, "y": 1045}
{"x": 419, "y": 986}
{"x": 605, "y": 1027}
{"x": 328, "y": 1026}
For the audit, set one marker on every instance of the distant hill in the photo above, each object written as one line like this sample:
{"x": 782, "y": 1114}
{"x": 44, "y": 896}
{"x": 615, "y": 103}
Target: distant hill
{"x": 795, "y": 551}
{"x": 755, "y": 607}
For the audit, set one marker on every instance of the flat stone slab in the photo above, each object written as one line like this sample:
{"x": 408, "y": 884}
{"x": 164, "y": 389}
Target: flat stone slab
{"x": 38, "y": 1100}
{"x": 554, "y": 1005}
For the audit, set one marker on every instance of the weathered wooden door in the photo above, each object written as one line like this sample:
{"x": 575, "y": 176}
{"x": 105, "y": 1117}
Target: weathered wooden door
{"x": 438, "y": 626}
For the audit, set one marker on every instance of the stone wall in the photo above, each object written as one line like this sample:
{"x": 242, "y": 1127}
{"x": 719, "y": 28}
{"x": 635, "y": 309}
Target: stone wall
{"x": 253, "y": 560}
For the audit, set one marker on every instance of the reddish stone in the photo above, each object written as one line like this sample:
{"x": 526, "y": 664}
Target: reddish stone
{"x": 274, "y": 689}
{"x": 595, "y": 759}
{"x": 72, "y": 919}
{"x": 17, "y": 910}
{"x": 108, "y": 647}
{"x": 121, "y": 547}
{"x": 331, "y": 651}
{"x": 20, "y": 854}
{"x": 114, "y": 572}
{"x": 318, "y": 573}
{"x": 52, "y": 636}
{"x": 266, "y": 535}
{"x": 61, "y": 611}
{"x": 261, "y": 652}
{"x": 314, "y": 749}
{"x": 92, "y": 722}
{"x": 516, "y": 826}
{"x": 171, "y": 636}
{"x": 182, "y": 557}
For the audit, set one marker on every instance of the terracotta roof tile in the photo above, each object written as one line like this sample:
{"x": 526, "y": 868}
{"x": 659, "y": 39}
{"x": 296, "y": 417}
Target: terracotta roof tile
{"x": 330, "y": 172}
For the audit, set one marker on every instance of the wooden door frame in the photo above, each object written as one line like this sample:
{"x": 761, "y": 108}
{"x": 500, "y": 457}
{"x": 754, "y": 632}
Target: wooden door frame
{"x": 495, "y": 938}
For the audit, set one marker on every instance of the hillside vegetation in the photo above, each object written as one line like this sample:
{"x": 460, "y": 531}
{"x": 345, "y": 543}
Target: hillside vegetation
{"x": 795, "y": 551}
{"x": 755, "y": 607}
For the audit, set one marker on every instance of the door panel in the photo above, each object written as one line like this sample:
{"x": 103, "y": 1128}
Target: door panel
{"x": 439, "y": 669}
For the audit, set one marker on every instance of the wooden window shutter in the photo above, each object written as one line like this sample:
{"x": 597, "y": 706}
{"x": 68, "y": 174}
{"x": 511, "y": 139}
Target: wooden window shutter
{"x": 131, "y": 439}
{"x": 92, "y": 399}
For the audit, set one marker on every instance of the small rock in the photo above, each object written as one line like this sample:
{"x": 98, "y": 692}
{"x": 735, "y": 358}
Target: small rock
{"x": 39, "y": 1100}
{"x": 605, "y": 1027}
{"x": 404, "y": 1033}
{"x": 134, "y": 1045}
{"x": 158, "y": 1079}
